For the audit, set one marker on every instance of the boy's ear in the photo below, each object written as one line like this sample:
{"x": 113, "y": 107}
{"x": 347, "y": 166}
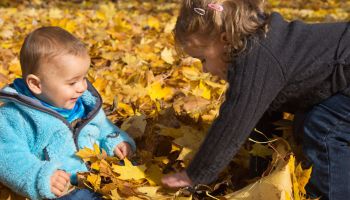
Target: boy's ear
{"x": 34, "y": 84}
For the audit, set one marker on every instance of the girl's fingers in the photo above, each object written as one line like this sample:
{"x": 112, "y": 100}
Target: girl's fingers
{"x": 170, "y": 183}
{"x": 168, "y": 180}
{"x": 176, "y": 180}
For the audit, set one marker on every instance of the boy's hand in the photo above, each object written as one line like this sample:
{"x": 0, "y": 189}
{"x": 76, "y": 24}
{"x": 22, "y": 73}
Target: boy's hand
{"x": 123, "y": 150}
{"x": 176, "y": 180}
{"x": 59, "y": 182}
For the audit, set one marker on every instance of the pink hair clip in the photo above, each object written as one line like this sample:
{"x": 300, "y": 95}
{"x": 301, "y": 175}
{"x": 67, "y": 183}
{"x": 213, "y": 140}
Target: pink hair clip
{"x": 215, "y": 6}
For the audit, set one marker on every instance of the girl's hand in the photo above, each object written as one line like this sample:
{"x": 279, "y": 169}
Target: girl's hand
{"x": 177, "y": 180}
{"x": 59, "y": 182}
{"x": 123, "y": 150}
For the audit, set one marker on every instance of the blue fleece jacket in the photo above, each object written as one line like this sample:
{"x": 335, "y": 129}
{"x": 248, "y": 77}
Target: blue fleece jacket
{"x": 35, "y": 141}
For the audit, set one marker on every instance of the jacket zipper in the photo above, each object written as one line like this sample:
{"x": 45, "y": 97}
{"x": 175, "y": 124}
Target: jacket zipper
{"x": 82, "y": 124}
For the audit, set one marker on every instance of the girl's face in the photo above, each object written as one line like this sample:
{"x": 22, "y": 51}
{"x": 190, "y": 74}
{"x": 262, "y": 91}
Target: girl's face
{"x": 210, "y": 52}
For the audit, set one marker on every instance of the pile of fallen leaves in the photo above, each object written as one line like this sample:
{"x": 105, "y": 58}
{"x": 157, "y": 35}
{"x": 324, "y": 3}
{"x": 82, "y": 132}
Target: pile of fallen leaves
{"x": 160, "y": 98}
{"x": 167, "y": 145}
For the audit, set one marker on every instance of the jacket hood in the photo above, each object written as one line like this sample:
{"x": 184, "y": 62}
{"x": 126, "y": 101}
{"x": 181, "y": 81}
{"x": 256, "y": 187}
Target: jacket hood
{"x": 91, "y": 98}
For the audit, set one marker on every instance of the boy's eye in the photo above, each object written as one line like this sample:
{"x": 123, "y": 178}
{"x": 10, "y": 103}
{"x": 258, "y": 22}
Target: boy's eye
{"x": 74, "y": 82}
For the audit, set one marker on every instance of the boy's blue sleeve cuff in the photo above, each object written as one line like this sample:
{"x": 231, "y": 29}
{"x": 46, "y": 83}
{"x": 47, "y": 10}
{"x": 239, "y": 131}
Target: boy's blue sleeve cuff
{"x": 44, "y": 177}
{"x": 74, "y": 179}
{"x": 114, "y": 139}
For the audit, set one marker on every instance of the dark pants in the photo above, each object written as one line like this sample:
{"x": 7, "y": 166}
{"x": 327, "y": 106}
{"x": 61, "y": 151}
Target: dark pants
{"x": 81, "y": 194}
{"x": 327, "y": 147}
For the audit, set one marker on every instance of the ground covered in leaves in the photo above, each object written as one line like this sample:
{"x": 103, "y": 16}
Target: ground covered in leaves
{"x": 161, "y": 99}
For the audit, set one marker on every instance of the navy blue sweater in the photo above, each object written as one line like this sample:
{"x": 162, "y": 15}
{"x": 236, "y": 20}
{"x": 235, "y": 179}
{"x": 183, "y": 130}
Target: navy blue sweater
{"x": 294, "y": 67}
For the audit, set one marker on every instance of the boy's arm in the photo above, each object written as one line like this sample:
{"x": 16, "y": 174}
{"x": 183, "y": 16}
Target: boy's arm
{"x": 111, "y": 135}
{"x": 21, "y": 170}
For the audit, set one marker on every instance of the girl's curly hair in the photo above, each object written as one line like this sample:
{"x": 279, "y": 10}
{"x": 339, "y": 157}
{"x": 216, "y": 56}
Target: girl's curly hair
{"x": 240, "y": 19}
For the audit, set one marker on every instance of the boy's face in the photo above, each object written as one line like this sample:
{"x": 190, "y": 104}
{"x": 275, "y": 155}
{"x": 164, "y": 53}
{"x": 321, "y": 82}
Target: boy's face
{"x": 62, "y": 80}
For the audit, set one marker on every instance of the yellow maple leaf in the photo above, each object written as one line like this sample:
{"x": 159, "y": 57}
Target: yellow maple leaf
{"x": 7, "y": 194}
{"x": 125, "y": 109}
{"x": 130, "y": 59}
{"x": 191, "y": 139}
{"x": 191, "y": 73}
{"x": 167, "y": 56}
{"x": 86, "y": 153}
{"x": 172, "y": 132}
{"x": 194, "y": 104}
{"x": 154, "y": 175}
{"x": 261, "y": 150}
{"x": 153, "y": 22}
{"x": 303, "y": 177}
{"x": 175, "y": 148}
{"x": 156, "y": 91}
{"x": 162, "y": 159}
{"x": 97, "y": 149}
{"x": 67, "y": 24}
{"x": 110, "y": 55}
{"x": 15, "y": 67}
{"x": 151, "y": 192}
{"x": 94, "y": 180}
{"x": 186, "y": 154}
{"x": 115, "y": 195}
{"x": 183, "y": 198}
{"x": 6, "y": 34}
{"x": 100, "y": 84}
{"x": 274, "y": 186}
{"x": 169, "y": 27}
{"x": 130, "y": 172}
{"x": 202, "y": 90}
{"x": 95, "y": 166}
{"x": 106, "y": 11}
{"x": 55, "y": 13}
{"x": 135, "y": 126}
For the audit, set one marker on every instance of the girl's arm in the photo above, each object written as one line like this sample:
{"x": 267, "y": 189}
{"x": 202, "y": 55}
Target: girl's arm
{"x": 255, "y": 81}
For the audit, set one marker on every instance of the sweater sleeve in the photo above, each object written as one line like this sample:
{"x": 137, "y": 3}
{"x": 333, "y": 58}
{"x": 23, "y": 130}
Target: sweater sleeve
{"x": 111, "y": 135}
{"x": 254, "y": 82}
{"x": 21, "y": 170}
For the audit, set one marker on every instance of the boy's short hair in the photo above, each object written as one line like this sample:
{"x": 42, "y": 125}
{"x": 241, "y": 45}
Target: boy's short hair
{"x": 45, "y": 43}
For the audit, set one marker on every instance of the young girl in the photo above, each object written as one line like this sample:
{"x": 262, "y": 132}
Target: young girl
{"x": 271, "y": 65}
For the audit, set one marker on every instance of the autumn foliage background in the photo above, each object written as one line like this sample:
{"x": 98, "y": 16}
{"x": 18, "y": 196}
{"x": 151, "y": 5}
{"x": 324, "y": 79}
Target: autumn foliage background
{"x": 160, "y": 98}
